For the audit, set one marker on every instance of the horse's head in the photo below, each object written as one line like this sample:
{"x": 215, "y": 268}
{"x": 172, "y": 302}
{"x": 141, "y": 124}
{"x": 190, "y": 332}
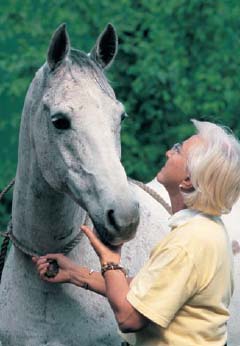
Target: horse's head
{"x": 76, "y": 134}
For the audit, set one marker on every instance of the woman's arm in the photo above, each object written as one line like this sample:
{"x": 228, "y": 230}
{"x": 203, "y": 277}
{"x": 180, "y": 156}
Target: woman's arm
{"x": 127, "y": 317}
{"x": 90, "y": 280}
{"x": 117, "y": 286}
{"x": 113, "y": 284}
{"x": 70, "y": 272}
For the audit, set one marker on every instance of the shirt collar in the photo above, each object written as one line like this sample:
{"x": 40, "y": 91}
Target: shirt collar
{"x": 184, "y": 215}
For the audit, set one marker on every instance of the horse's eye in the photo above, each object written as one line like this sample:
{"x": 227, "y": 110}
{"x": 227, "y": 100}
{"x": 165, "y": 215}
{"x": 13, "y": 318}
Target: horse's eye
{"x": 123, "y": 116}
{"x": 60, "y": 122}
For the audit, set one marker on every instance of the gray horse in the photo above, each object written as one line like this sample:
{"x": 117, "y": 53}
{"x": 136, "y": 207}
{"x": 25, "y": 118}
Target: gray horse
{"x": 68, "y": 163}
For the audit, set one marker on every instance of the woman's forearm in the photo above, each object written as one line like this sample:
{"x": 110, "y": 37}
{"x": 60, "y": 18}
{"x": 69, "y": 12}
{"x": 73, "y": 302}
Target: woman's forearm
{"x": 91, "y": 280}
{"x": 112, "y": 283}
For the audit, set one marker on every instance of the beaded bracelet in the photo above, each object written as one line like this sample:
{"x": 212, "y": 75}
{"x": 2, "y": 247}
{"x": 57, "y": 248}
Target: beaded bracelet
{"x": 112, "y": 266}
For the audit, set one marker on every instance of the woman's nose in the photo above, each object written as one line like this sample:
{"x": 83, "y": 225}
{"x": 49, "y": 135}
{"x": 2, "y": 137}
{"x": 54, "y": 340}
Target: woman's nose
{"x": 168, "y": 153}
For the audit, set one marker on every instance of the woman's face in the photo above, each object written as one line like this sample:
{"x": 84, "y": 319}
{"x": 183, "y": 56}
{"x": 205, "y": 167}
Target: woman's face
{"x": 174, "y": 172}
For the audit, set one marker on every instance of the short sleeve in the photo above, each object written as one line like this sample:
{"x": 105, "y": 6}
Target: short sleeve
{"x": 163, "y": 285}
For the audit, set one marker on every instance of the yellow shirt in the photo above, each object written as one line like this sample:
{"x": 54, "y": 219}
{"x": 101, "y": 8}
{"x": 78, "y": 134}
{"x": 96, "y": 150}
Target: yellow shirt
{"x": 186, "y": 285}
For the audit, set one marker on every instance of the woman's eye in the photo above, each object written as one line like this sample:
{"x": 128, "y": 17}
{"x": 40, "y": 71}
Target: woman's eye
{"x": 60, "y": 122}
{"x": 123, "y": 116}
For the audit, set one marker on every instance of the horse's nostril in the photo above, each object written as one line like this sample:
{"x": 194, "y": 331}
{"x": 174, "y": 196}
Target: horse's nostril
{"x": 111, "y": 218}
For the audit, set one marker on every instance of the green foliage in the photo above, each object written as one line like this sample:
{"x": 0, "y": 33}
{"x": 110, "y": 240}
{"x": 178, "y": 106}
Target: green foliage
{"x": 5, "y": 211}
{"x": 180, "y": 60}
{"x": 177, "y": 59}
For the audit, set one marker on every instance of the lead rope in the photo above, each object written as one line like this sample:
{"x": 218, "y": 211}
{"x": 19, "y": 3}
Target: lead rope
{"x": 153, "y": 194}
{"x": 64, "y": 250}
{"x": 8, "y": 235}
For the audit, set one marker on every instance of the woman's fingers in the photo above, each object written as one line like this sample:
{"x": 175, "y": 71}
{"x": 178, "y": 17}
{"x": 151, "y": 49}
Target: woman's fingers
{"x": 56, "y": 256}
{"x": 104, "y": 253}
{"x": 39, "y": 261}
{"x": 65, "y": 265}
{"x": 43, "y": 266}
{"x": 44, "y": 259}
{"x": 35, "y": 259}
{"x": 94, "y": 240}
{"x": 42, "y": 272}
{"x": 91, "y": 236}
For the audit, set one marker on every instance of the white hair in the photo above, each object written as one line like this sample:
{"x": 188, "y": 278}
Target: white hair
{"x": 214, "y": 169}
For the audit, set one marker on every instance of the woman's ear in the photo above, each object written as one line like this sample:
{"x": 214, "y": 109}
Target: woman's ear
{"x": 186, "y": 185}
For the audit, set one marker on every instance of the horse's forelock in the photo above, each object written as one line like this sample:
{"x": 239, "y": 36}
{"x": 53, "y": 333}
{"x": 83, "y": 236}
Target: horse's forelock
{"x": 83, "y": 61}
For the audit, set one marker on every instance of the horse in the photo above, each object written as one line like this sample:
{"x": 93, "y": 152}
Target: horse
{"x": 69, "y": 164}
{"x": 231, "y": 222}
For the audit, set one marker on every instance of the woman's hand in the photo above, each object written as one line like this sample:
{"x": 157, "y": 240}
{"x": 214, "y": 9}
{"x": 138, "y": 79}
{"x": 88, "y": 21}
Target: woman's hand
{"x": 106, "y": 254}
{"x": 71, "y": 272}
{"x": 66, "y": 268}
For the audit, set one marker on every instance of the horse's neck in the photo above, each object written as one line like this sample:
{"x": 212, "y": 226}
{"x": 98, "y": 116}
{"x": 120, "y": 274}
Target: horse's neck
{"x": 160, "y": 189}
{"x": 43, "y": 219}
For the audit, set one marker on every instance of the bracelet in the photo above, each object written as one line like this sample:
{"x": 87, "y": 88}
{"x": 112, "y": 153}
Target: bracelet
{"x": 112, "y": 266}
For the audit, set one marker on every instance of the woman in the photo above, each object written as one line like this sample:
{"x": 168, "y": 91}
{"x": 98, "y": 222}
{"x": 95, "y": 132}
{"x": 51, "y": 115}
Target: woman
{"x": 181, "y": 295}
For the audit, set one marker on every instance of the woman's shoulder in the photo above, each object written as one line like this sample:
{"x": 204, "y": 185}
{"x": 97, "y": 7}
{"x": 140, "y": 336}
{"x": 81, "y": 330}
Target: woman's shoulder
{"x": 200, "y": 233}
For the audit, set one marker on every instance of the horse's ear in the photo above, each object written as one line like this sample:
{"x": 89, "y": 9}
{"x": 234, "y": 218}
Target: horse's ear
{"x": 106, "y": 47}
{"x": 58, "y": 47}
